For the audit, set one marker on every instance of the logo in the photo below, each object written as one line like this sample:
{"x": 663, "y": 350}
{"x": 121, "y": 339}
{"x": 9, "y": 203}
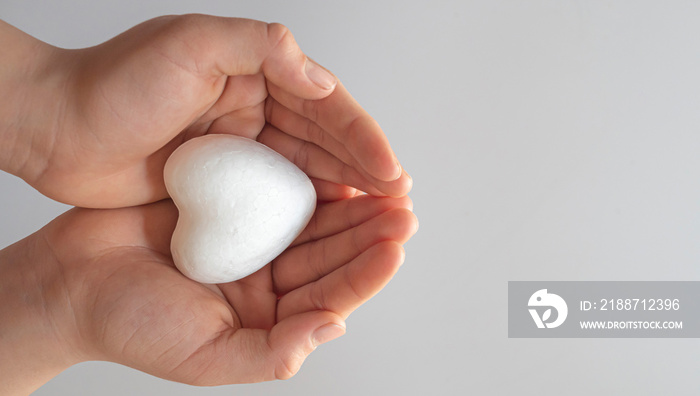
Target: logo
{"x": 543, "y": 299}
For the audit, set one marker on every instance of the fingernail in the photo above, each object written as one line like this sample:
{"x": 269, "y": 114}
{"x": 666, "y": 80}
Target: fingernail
{"x": 320, "y": 76}
{"x": 399, "y": 170}
{"x": 409, "y": 185}
{"x": 325, "y": 333}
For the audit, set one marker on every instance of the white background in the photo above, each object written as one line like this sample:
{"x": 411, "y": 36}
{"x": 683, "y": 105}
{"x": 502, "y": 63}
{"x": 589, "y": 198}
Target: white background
{"x": 548, "y": 140}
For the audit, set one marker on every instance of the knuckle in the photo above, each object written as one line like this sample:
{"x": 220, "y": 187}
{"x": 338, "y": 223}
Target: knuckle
{"x": 318, "y": 297}
{"x": 278, "y": 35}
{"x": 301, "y": 159}
{"x": 310, "y": 110}
{"x": 359, "y": 295}
{"x": 286, "y": 367}
{"x": 315, "y": 133}
{"x": 318, "y": 259}
{"x": 188, "y": 23}
{"x": 185, "y": 34}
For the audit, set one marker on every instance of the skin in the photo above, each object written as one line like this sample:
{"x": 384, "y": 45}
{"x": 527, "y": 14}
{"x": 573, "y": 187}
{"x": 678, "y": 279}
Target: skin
{"x": 93, "y": 128}
{"x": 78, "y": 290}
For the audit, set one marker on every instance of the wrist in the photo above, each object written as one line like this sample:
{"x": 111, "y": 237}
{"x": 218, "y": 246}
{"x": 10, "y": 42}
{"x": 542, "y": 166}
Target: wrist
{"x": 38, "y": 335}
{"x": 30, "y": 101}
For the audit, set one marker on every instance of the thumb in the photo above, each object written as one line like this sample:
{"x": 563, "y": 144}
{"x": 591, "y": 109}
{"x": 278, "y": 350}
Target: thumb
{"x": 291, "y": 341}
{"x": 256, "y": 355}
{"x": 234, "y": 46}
{"x": 287, "y": 65}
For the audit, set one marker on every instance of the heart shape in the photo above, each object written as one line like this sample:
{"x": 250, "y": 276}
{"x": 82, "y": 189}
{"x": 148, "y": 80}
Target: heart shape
{"x": 241, "y": 204}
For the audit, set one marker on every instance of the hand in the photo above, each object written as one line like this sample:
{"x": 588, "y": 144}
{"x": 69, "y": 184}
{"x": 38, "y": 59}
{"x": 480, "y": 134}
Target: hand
{"x": 96, "y": 125}
{"x": 110, "y": 291}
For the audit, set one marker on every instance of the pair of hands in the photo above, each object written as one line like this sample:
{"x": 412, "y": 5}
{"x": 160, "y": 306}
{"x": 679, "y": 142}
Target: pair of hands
{"x": 94, "y": 127}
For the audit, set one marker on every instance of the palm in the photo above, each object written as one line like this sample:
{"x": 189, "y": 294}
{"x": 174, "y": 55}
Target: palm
{"x": 135, "y": 308}
{"x": 157, "y": 321}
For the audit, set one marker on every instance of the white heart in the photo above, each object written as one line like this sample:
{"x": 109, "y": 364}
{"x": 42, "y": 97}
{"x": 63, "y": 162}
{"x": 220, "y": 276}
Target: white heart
{"x": 241, "y": 204}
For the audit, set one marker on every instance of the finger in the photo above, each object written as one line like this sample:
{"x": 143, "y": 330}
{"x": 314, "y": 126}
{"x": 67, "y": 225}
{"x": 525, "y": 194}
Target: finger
{"x": 318, "y": 163}
{"x": 238, "y": 109}
{"x": 313, "y": 160}
{"x": 348, "y": 123}
{"x": 246, "y": 122}
{"x": 334, "y": 217}
{"x": 303, "y": 128}
{"x": 329, "y": 191}
{"x": 234, "y": 46}
{"x": 311, "y": 261}
{"x": 348, "y": 287}
{"x": 239, "y": 92}
{"x": 256, "y": 355}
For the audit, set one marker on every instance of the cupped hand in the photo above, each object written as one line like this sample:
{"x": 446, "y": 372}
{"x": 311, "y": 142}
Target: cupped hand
{"x": 113, "y": 113}
{"x": 128, "y": 304}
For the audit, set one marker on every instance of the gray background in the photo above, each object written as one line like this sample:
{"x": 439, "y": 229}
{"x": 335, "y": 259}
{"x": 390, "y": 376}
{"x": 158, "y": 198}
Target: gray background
{"x": 548, "y": 140}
